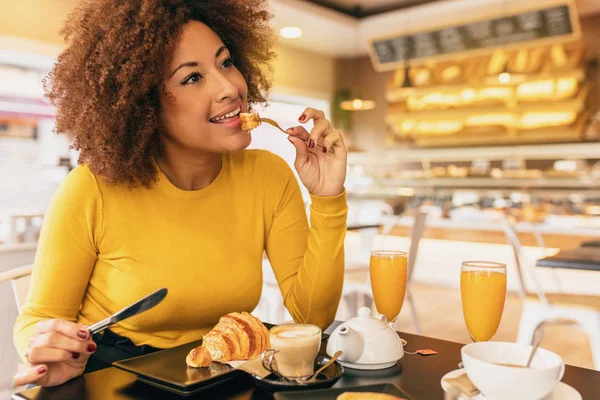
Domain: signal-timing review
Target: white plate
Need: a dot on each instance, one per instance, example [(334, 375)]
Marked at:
[(562, 391)]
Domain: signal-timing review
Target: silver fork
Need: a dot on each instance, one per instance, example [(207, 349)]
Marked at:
[(276, 125)]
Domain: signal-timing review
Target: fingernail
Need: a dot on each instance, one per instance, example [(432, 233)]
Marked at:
[(82, 334), (311, 143), (41, 370), (302, 117), (324, 149), (76, 355), (91, 348)]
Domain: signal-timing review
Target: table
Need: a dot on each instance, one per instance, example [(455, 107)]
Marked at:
[(591, 243), (359, 227), (418, 376), (584, 258)]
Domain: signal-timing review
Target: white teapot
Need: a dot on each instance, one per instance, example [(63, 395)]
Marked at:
[(366, 342)]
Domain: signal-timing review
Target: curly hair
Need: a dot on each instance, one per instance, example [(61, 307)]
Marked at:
[(105, 85)]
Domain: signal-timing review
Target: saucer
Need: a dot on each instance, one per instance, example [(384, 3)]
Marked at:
[(326, 379), (561, 391)]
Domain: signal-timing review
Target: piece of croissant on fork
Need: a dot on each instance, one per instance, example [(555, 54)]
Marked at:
[(237, 336)]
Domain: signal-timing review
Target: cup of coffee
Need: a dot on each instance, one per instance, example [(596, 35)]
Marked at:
[(294, 348)]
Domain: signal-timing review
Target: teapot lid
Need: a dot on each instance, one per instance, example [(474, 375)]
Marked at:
[(365, 322)]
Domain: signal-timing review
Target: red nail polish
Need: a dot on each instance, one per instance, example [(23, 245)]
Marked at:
[(91, 348), (76, 355), (41, 370), (311, 144), (302, 117), (82, 334), (324, 149)]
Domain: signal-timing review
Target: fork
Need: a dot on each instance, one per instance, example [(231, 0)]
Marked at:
[(276, 125)]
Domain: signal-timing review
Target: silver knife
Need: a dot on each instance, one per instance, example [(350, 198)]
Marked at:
[(134, 309)]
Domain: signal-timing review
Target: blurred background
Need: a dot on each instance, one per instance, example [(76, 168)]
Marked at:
[(474, 133)]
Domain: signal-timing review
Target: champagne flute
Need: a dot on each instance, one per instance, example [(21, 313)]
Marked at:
[(483, 292), (389, 273)]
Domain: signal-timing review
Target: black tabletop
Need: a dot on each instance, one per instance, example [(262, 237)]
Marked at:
[(591, 243), (418, 376), (359, 227), (585, 258)]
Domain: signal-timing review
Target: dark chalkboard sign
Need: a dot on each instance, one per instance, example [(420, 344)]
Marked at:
[(552, 24)]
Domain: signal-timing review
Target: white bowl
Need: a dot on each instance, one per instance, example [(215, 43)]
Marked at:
[(508, 383)]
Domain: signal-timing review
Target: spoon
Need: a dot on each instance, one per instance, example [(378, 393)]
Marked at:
[(538, 335), (317, 372)]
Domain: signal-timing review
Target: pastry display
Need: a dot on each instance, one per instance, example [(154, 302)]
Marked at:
[(237, 336), (249, 121), (533, 95)]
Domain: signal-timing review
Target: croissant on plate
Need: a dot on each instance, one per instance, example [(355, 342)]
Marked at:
[(237, 336)]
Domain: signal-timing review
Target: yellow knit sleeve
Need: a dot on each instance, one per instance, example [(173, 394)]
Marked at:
[(67, 251), (308, 263)]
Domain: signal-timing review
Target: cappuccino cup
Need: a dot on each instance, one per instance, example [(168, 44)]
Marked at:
[(294, 348)]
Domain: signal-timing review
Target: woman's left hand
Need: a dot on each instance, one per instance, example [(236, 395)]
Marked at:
[(321, 169)]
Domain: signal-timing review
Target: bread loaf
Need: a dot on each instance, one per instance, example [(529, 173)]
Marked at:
[(237, 336)]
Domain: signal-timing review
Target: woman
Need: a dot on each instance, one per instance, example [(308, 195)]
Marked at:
[(150, 91)]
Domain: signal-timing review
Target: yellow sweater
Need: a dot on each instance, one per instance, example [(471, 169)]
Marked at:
[(104, 246)]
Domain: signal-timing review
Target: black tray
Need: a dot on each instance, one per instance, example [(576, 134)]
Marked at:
[(167, 370), (332, 394)]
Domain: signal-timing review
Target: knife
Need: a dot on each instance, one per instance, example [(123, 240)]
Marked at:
[(134, 309)]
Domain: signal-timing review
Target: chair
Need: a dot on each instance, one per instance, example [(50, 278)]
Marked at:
[(357, 281), (416, 234), (541, 308), (270, 307), (19, 279)]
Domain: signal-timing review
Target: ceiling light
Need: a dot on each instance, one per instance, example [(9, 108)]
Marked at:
[(357, 104), (290, 32), (504, 78)]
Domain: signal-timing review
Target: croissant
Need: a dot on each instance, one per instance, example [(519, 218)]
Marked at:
[(249, 121), (198, 357), (237, 336)]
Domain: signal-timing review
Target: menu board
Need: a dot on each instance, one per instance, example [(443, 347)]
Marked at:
[(556, 23)]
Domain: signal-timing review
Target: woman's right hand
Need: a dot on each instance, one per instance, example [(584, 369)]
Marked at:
[(57, 352)]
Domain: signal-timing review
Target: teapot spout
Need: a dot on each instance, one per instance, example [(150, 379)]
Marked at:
[(351, 343)]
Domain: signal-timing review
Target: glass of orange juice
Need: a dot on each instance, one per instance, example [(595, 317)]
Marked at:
[(483, 291), (389, 272)]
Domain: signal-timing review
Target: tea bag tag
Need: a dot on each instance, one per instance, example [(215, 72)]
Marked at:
[(427, 352), (423, 352)]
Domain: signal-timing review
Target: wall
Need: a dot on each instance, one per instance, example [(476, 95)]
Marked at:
[(368, 127), (304, 73), (297, 72), (590, 30), (34, 19)]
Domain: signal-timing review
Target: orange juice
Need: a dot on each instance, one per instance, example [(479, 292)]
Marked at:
[(483, 294), (389, 272)]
